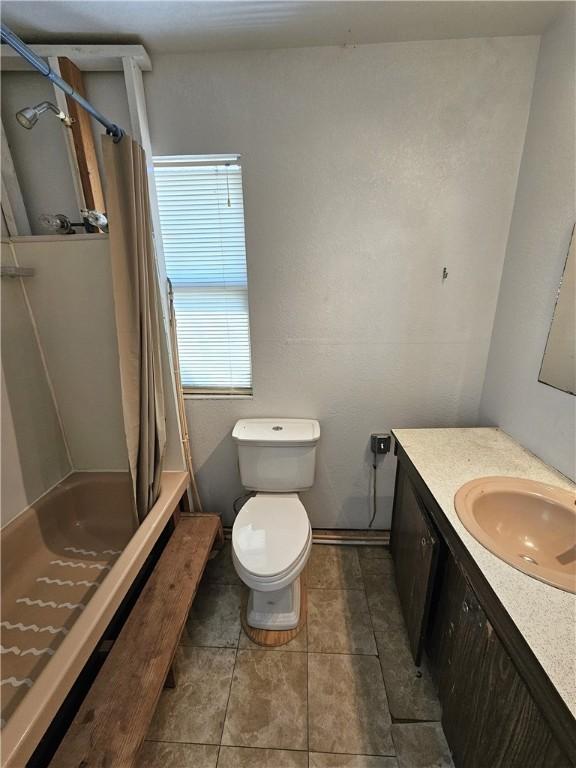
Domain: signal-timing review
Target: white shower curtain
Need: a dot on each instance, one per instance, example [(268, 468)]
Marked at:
[(138, 315)]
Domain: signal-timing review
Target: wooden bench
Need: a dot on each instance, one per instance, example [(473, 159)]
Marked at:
[(114, 718)]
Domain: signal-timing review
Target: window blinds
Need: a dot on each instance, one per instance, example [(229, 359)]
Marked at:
[(202, 220)]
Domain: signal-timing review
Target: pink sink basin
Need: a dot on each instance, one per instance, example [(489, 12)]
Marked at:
[(530, 525)]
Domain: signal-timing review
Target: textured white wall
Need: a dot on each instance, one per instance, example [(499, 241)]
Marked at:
[(540, 417), (366, 171)]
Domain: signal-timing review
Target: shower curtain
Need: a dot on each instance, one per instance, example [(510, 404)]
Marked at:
[(138, 316)]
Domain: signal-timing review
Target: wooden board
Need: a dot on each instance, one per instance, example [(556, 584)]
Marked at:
[(270, 638), (83, 139), (114, 718)]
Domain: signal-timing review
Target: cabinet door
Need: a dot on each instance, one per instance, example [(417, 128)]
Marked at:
[(415, 552), (451, 590), (488, 715), (523, 739), (461, 680)]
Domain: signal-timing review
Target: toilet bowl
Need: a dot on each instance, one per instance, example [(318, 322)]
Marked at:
[(272, 536), (271, 543)]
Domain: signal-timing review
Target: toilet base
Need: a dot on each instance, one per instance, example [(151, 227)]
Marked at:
[(270, 635), (275, 610)]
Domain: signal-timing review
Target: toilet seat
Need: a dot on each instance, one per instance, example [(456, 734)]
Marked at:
[(271, 540)]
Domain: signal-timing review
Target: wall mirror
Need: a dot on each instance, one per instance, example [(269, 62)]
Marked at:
[(559, 361)]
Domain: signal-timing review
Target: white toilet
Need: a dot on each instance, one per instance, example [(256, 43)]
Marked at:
[(272, 537)]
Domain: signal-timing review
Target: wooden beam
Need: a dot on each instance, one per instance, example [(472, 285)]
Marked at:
[(83, 138), (62, 103), (113, 720), (13, 207), (88, 58)]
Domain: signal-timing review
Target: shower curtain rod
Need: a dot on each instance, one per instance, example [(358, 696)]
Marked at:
[(44, 68)]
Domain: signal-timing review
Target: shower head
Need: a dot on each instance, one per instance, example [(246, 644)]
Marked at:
[(28, 117)]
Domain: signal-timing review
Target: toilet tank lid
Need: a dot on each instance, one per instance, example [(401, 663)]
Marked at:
[(276, 432)]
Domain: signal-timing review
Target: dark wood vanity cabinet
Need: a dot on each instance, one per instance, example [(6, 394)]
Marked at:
[(490, 718)]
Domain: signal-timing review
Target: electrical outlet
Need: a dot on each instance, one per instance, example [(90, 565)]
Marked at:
[(380, 443)]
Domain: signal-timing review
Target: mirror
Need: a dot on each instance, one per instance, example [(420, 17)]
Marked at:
[(559, 361)]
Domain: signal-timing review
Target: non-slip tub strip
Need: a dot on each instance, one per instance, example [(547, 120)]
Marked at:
[(11, 649)]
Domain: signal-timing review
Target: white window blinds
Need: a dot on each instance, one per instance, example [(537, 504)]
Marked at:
[(202, 219)]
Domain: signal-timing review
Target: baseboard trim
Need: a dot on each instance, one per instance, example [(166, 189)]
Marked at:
[(360, 538)]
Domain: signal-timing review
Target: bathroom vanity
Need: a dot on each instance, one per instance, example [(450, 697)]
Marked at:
[(500, 644)]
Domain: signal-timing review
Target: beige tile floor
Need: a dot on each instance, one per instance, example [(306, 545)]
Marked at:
[(343, 694)]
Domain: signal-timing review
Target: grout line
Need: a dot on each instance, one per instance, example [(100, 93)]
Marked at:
[(165, 740), (263, 749), (282, 749), (229, 694)]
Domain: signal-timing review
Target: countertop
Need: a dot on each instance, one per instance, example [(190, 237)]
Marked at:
[(544, 615)]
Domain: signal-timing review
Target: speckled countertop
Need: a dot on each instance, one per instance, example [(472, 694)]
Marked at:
[(546, 616)]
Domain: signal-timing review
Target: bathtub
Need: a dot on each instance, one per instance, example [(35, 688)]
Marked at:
[(67, 563)]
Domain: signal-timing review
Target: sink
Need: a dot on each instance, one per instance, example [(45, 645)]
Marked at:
[(529, 525)]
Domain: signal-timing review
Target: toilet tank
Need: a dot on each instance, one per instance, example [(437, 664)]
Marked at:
[(277, 455)]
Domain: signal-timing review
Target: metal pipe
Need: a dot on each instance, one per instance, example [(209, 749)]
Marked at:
[(44, 68)]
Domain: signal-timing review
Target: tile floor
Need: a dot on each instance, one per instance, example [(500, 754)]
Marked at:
[(343, 694)]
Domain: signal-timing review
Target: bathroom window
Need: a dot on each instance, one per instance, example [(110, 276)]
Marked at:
[(202, 220)]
